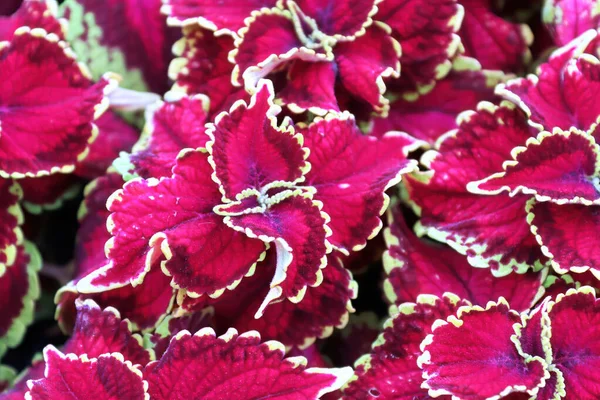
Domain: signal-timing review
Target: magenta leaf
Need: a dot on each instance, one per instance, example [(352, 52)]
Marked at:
[(563, 94), (204, 366), (322, 309), (417, 266), (298, 228), (364, 63), (19, 289), (173, 126), (72, 105), (426, 31), (390, 371), (565, 234), (107, 377), (572, 338), (202, 67), (351, 173), (34, 14), (248, 149), (472, 356), (491, 230), (173, 218), (568, 19), (339, 19), (496, 43), (433, 114), (561, 167), (226, 17)]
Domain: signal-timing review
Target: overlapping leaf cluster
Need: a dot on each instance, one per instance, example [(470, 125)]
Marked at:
[(238, 157)]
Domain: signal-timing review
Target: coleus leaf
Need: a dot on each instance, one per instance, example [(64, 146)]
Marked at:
[(102, 331), (472, 356), (561, 167), (390, 371), (431, 115), (50, 192), (249, 150), (20, 290), (144, 305), (566, 235), (19, 266), (107, 377), (300, 92), (268, 41), (568, 19), (472, 223), (416, 266), (322, 309), (12, 217), (92, 216), (202, 66), (205, 366), (341, 20), (496, 43), (351, 173), (271, 42), (34, 14), (298, 227), (562, 94), (173, 216), (98, 334), (359, 65), (171, 126), (125, 37), (532, 339), (220, 17), (173, 207), (72, 105), (176, 322), (364, 62), (255, 166), (426, 31), (570, 341)]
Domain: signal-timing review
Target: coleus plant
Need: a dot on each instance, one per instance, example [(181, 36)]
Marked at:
[(237, 159)]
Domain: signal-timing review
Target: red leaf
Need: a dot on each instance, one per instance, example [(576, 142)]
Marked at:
[(496, 43), (390, 371), (351, 173), (491, 230), (33, 62), (227, 16), (236, 366), (109, 377), (560, 167), (249, 150), (471, 356), (416, 266), (426, 31), (299, 230), (567, 235)]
